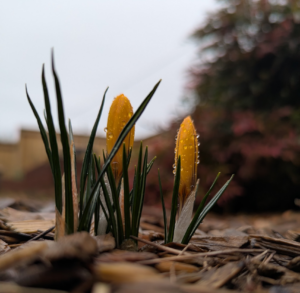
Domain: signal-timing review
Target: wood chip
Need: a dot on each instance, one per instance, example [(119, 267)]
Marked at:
[(197, 289), (6, 287), (101, 288), (284, 246), (123, 255), (294, 264), (202, 254), (149, 287), (3, 226), (178, 266), (105, 242), (220, 242), (123, 272), (157, 245), (22, 255), (10, 214), (31, 226), (222, 275), (3, 247), (6, 202), (277, 275), (81, 246)]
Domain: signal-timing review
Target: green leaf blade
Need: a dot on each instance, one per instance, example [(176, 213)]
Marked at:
[(126, 194), (66, 152), (136, 192), (88, 152), (142, 190), (174, 201), (163, 207), (54, 148), (115, 197), (199, 218)]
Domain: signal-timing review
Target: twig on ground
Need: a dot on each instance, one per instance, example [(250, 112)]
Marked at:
[(195, 255), (41, 234), (159, 246)]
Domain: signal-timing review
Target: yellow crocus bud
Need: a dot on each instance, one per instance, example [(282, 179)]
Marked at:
[(187, 148), (119, 114)]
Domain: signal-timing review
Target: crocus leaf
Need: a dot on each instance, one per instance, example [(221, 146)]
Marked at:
[(66, 152), (42, 130), (174, 201), (136, 192), (142, 189), (198, 218), (88, 152), (53, 143), (126, 194), (163, 207)]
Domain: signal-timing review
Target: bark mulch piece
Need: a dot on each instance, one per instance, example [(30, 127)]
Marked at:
[(229, 254)]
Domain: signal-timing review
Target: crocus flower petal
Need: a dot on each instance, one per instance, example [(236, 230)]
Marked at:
[(119, 114), (187, 148)]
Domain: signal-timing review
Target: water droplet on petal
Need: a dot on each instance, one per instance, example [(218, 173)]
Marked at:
[(185, 147), (197, 135), (129, 115), (105, 129), (198, 162)]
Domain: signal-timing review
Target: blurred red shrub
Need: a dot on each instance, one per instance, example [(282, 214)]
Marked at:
[(246, 86)]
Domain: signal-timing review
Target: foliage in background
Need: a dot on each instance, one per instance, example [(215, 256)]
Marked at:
[(246, 84)]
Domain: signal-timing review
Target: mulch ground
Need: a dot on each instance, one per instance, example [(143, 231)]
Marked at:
[(240, 253)]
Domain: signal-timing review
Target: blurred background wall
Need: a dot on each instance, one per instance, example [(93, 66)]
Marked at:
[(24, 166)]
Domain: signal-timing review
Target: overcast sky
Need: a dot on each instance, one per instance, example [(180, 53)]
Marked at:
[(124, 44)]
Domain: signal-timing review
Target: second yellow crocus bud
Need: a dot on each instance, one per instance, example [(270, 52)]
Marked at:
[(119, 114), (187, 148)]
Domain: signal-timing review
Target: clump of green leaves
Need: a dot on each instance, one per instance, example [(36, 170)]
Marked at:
[(94, 179), (200, 214), (186, 187), (104, 194)]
